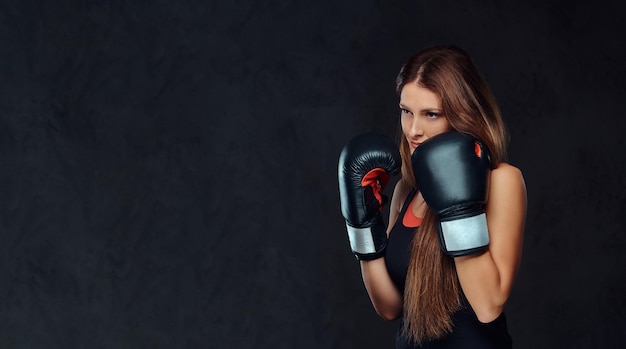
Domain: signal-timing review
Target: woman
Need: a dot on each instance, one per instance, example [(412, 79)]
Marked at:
[(445, 300)]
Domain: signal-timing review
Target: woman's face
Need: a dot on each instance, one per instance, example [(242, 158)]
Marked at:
[(421, 115)]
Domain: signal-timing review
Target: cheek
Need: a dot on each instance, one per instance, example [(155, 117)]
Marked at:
[(439, 128), (445, 126), (404, 124)]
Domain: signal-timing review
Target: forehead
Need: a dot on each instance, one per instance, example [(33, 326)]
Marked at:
[(414, 95)]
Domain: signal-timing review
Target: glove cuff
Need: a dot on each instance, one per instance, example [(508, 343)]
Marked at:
[(464, 236), (368, 243)]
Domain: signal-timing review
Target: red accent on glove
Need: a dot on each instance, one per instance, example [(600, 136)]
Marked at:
[(377, 179), (477, 149)]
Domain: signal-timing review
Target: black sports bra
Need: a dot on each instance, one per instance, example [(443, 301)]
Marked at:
[(468, 332)]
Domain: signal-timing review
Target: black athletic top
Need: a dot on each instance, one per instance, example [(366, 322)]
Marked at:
[(468, 331)]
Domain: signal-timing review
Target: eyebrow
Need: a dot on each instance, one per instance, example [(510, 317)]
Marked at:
[(435, 110)]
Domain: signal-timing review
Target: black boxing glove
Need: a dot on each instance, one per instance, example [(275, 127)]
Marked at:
[(365, 166), (452, 172)]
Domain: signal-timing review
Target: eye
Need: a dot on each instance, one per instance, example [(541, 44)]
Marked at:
[(404, 111), (432, 115)]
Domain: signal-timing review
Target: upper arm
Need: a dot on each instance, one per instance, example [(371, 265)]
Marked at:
[(506, 215)]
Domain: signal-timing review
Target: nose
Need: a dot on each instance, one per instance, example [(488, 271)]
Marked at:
[(416, 130)]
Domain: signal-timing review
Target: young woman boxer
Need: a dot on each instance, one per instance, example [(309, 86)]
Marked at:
[(447, 262)]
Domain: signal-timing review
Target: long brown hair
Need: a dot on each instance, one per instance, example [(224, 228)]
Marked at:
[(432, 293)]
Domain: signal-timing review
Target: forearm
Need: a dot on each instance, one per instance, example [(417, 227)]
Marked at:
[(385, 297), (482, 285), (487, 279)]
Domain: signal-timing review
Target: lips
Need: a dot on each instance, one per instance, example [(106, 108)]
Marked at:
[(415, 144)]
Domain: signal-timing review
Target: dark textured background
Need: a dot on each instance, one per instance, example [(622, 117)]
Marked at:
[(168, 168)]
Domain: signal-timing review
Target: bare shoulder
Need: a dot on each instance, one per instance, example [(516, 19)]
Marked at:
[(507, 179), (506, 202), (507, 173)]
